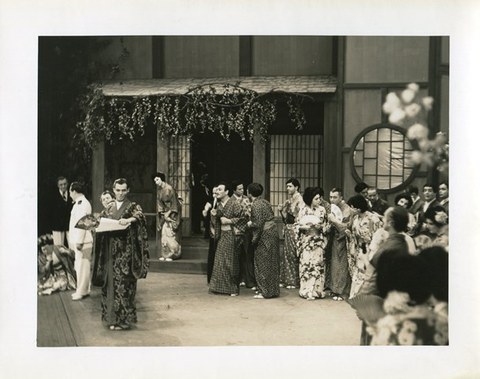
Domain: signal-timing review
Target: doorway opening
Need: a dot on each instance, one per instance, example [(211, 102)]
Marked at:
[(213, 160)]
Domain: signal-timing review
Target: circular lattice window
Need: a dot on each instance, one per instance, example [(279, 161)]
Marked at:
[(381, 157)]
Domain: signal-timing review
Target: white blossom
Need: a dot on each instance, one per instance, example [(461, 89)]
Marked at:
[(417, 131), (414, 87), (416, 157), (392, 102), (408, 95), (397, 116), (428, 103), (412, 110)]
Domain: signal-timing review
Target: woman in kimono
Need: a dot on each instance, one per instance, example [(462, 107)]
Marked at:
[(363, 224), (405, 200), (55, 267), (436, 223), (169, 216), (289, 276), (312, 226), (265, 241), (121, 258)]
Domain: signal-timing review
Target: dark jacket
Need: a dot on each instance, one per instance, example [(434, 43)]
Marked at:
[(60, 211)]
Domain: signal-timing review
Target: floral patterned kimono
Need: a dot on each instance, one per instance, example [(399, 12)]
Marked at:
[(311, 245), (121, 257), (361, 231), (289, 275), (169, 215), (55, 267)]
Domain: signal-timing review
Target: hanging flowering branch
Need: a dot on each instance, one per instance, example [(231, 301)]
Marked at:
[(222, 108), (410, 110)]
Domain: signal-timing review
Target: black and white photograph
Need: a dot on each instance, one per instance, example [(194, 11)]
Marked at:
[(229, 200)]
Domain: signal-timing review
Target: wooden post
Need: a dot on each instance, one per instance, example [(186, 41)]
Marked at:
[(162, 166), (98, 175), (259, 161), (332, 162)]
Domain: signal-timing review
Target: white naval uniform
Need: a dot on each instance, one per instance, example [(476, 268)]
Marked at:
[(83, 257)]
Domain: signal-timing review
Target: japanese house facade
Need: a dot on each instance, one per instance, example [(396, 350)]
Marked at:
[(346, 80)]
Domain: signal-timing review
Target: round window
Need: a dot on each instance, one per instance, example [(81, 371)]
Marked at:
[(381, 157)]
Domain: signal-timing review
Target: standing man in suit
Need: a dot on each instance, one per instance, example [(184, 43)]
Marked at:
[(443, 195), (81, 241), (61, 205), (430, 196), (417, 202)]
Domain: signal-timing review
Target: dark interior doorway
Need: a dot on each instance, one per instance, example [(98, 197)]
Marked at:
[(213, 160)]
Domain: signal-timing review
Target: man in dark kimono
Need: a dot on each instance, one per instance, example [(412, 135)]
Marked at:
[(247, 272), (121, 257), (226, 269)]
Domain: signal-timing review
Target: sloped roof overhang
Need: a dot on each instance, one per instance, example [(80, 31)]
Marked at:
[(324, 84)]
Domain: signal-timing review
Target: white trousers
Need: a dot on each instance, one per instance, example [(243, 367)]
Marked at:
[(82, 265), (59, 238)]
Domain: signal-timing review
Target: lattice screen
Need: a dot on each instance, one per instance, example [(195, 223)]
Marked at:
[(179, 170), (294, 156)]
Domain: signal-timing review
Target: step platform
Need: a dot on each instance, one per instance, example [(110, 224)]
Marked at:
[(193, 260)]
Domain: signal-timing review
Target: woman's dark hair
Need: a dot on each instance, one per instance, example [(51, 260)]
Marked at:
[(358, 201), (405, 196), (160, 175), (400, 271), (360, 187), (294, 181), (432, 212), (107, 192), (309, 194), (436, 259), (45, 239), (255, 189)]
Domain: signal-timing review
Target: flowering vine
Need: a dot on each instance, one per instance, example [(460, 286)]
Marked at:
[(223, 108), (410, 110)]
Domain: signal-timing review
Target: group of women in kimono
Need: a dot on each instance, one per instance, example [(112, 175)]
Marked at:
[(329, 245)]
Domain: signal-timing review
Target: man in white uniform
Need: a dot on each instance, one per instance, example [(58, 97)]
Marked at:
[(80, 241)]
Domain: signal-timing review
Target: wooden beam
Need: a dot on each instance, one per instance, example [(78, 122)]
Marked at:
[(98, 175), (158, 57), (245, 56)]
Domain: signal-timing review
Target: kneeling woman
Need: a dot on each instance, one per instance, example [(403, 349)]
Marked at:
[(266, 244), (312, 225)]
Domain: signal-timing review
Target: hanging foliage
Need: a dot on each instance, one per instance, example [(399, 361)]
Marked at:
[(221, 108)]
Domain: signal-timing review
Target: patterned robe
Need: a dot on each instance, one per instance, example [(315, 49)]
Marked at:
[(121, 257), (247, 274), (311, 249), (362, 228), (266, 243), (289, 259), (339, 279), (169, 208), (226, 268)]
